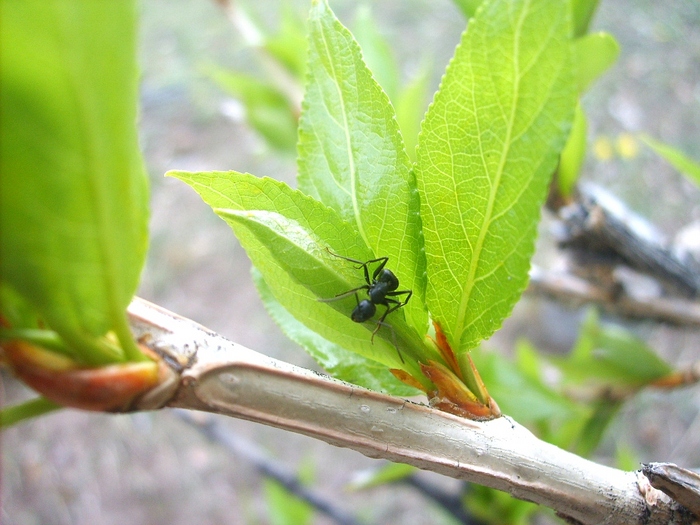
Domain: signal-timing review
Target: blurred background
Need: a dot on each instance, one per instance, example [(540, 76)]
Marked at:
[(151, 468)]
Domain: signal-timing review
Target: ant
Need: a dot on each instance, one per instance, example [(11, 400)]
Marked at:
[(381, 289)]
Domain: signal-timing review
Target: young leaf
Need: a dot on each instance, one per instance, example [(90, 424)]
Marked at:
[(338, 361), (284, 508), (288, 236), (582, 12), (352, 158), (376, 51), (73, 193), (488, 146), (268, 111), (411, 103), (687, 166), (594, 54), (573, 154)]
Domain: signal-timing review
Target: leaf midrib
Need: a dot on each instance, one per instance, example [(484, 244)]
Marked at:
[(478, 246), (348, 143)]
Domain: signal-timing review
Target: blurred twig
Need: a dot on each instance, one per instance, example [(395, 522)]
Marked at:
[(266, 466), (569, 288)]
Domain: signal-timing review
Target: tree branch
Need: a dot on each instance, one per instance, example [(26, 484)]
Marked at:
[(222, 377)]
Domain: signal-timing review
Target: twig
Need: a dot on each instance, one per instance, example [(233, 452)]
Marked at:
[(597, 223), (225, 378), (451, 503), (239, 446), (569, 288)]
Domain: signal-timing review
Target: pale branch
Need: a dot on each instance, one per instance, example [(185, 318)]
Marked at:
[(222, 377), (569, 288), (681, 484)]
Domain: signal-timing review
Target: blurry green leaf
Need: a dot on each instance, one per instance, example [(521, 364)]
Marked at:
[(487, 149), (288, 46), (573, 154), (338, 361), (468, 7), (352, 158), (268, 111), (594, 429), (493, 506), (626, 458), (287, 235), (73, 193), (517, 393), (29, 409), (610, 354), (687, 166), (594, 54), (376, 51), (583, 11), (388, 473), (411, 103), (283, 507)]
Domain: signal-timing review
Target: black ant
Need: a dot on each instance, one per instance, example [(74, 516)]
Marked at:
[(381, 289)]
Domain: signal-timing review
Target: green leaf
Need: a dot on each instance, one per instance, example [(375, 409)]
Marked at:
[(29, 409), (288, 46), (411, 103), (268, 111), (583, 11), (388, 473), (488, 146), (352, 158), (593, 431), (611, 355), (288, 236), (573, 154), (338, 361), (687, 166), (73, 192), (468, 7), (284, 508), (376, 51), (594, 54), (519, 394)]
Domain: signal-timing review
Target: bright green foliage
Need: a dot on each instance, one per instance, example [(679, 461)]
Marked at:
[(610, 354), (33, 408), (582, 12), (268, 110), (288, 46), (73, 194), (573, 154), (494, 506), (468, 7), (352, 158), (376, 52), (487, 149), (389, 473), (594, 54), (284, 508), (335, 359), (411, 104), (288, 236), (687, 166)]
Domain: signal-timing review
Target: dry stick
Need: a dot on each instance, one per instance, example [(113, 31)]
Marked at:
[(222, 377), (566, 287)]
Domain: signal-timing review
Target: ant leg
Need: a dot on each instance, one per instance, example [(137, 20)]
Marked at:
[(407, 293), (381, 323), (344, 294), (364, 265)]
